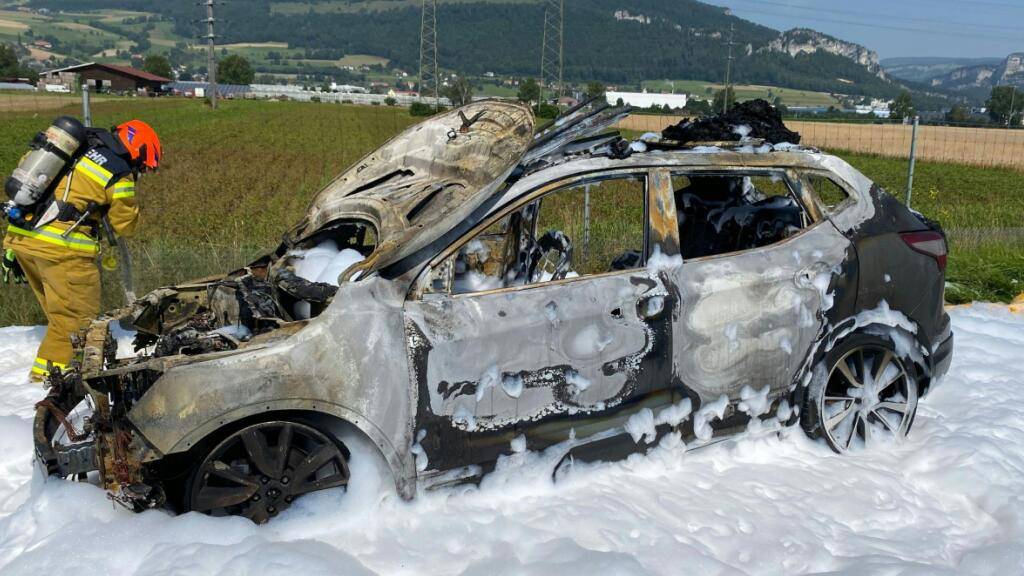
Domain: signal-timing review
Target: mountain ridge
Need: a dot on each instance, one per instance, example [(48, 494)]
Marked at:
[(613, 41)]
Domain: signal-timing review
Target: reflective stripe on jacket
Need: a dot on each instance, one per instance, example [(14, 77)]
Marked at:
[(99, 176)]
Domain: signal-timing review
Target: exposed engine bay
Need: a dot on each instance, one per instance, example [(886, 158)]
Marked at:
[(218, 314), (83, 420)]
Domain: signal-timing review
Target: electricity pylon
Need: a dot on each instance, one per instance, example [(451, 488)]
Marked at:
[(552, 49), (429, 78)]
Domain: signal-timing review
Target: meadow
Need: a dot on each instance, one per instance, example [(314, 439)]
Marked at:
[(236, 179)]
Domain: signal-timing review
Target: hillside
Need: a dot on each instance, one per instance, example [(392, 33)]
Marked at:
[(981, 78), (925, 69), (613, 41)]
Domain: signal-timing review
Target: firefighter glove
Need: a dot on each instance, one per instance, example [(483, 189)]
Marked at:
[(10, 270)]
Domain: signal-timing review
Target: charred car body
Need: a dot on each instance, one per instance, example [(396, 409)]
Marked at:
[(508, 290)]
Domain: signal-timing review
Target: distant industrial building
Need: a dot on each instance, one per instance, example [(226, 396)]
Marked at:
[(201, 89), (104, 78), (648, 99)]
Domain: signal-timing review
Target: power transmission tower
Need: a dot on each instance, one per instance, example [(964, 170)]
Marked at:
[(211, 55), (429, 77), (552, 48), (728, 70)]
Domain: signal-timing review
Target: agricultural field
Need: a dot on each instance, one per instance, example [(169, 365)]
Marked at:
[(706, 91), (235, 180)]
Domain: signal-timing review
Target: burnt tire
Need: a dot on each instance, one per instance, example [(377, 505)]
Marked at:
[(261, 469), (861, 391)]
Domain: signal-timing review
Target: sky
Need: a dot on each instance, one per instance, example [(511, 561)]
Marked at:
[(893, 28)]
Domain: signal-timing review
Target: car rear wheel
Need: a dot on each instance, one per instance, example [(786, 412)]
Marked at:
[(863, 393), (258, 471)]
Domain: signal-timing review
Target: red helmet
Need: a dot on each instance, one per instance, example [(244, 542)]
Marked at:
[(142, 143)]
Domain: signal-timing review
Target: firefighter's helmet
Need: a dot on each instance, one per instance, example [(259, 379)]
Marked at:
[(142, 143)]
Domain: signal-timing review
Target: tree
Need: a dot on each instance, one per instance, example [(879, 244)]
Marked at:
[(8, 60), (698, 107), (594, 90), (158, 64), (1000, 102), (903, 107), (717, 104), (421, 109), (459, 91), (529, 90), (958, 114), (235, 69)]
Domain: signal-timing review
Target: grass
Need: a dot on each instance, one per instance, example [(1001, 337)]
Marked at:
[(744, 92), (236, 179)]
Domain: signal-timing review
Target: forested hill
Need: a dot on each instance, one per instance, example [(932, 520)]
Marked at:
[(615, 41)]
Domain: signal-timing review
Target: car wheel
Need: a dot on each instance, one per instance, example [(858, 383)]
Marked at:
[(861, 393), (258, 471)]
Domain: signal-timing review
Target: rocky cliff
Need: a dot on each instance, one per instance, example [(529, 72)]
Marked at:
[(1009, 72), (805, 41)]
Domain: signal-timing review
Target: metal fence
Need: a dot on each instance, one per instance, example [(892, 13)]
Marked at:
[(957, 144)]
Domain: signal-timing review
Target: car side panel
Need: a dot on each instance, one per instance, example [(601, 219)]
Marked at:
[(753, 317), (531, 361)]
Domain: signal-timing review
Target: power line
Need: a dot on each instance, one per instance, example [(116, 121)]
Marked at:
[(931, 32), (889, 18)]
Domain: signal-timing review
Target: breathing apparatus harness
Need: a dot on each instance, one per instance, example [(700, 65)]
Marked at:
[(31, 188)]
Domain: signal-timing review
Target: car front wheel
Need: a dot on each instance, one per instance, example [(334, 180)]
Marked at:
[(258, 471), (862, 393)]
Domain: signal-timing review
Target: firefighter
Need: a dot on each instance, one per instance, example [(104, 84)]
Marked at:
[(55, 250)]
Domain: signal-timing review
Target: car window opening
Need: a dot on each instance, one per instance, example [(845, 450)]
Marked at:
[(586, 229), (724, 213)]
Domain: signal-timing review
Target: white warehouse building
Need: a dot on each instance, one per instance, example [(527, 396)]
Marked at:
[(647, 99)]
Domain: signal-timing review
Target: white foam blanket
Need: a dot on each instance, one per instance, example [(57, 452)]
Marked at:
[(947, 501)]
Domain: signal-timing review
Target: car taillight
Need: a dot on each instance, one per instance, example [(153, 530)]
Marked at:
[(928, 243)]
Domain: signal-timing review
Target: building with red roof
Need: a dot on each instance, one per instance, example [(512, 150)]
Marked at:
[(105, 78)]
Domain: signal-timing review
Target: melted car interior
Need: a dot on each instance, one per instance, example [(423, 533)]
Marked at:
[(586, 228), (721, 213)]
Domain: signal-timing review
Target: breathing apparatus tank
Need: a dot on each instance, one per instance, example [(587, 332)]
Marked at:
[(51, 153)]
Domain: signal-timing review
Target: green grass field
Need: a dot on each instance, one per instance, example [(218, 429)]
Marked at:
[(236, 179)]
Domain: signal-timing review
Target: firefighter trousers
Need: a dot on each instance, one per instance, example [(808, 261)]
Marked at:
[(68, 290)]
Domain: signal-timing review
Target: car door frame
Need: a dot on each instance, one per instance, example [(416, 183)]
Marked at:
[(732, 419), (449, 451)]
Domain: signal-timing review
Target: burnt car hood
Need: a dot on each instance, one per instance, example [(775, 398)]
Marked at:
[(425, 180)]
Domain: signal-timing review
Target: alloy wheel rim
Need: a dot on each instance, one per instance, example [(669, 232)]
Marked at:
[(869, 396), (259, 471)]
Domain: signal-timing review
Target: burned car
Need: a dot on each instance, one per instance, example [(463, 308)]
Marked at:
[(478, 287)]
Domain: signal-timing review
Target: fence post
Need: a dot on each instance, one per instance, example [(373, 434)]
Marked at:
[(86, 111), (913, 159), (586, 222)]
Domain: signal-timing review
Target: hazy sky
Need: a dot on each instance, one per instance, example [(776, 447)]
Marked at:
[(963, 28)]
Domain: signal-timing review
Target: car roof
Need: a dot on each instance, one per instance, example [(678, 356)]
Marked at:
[(739, 156)]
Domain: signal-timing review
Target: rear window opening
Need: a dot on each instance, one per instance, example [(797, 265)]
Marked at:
[(732, 212)]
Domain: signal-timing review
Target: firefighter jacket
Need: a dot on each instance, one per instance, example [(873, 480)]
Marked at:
[(101, 176)]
